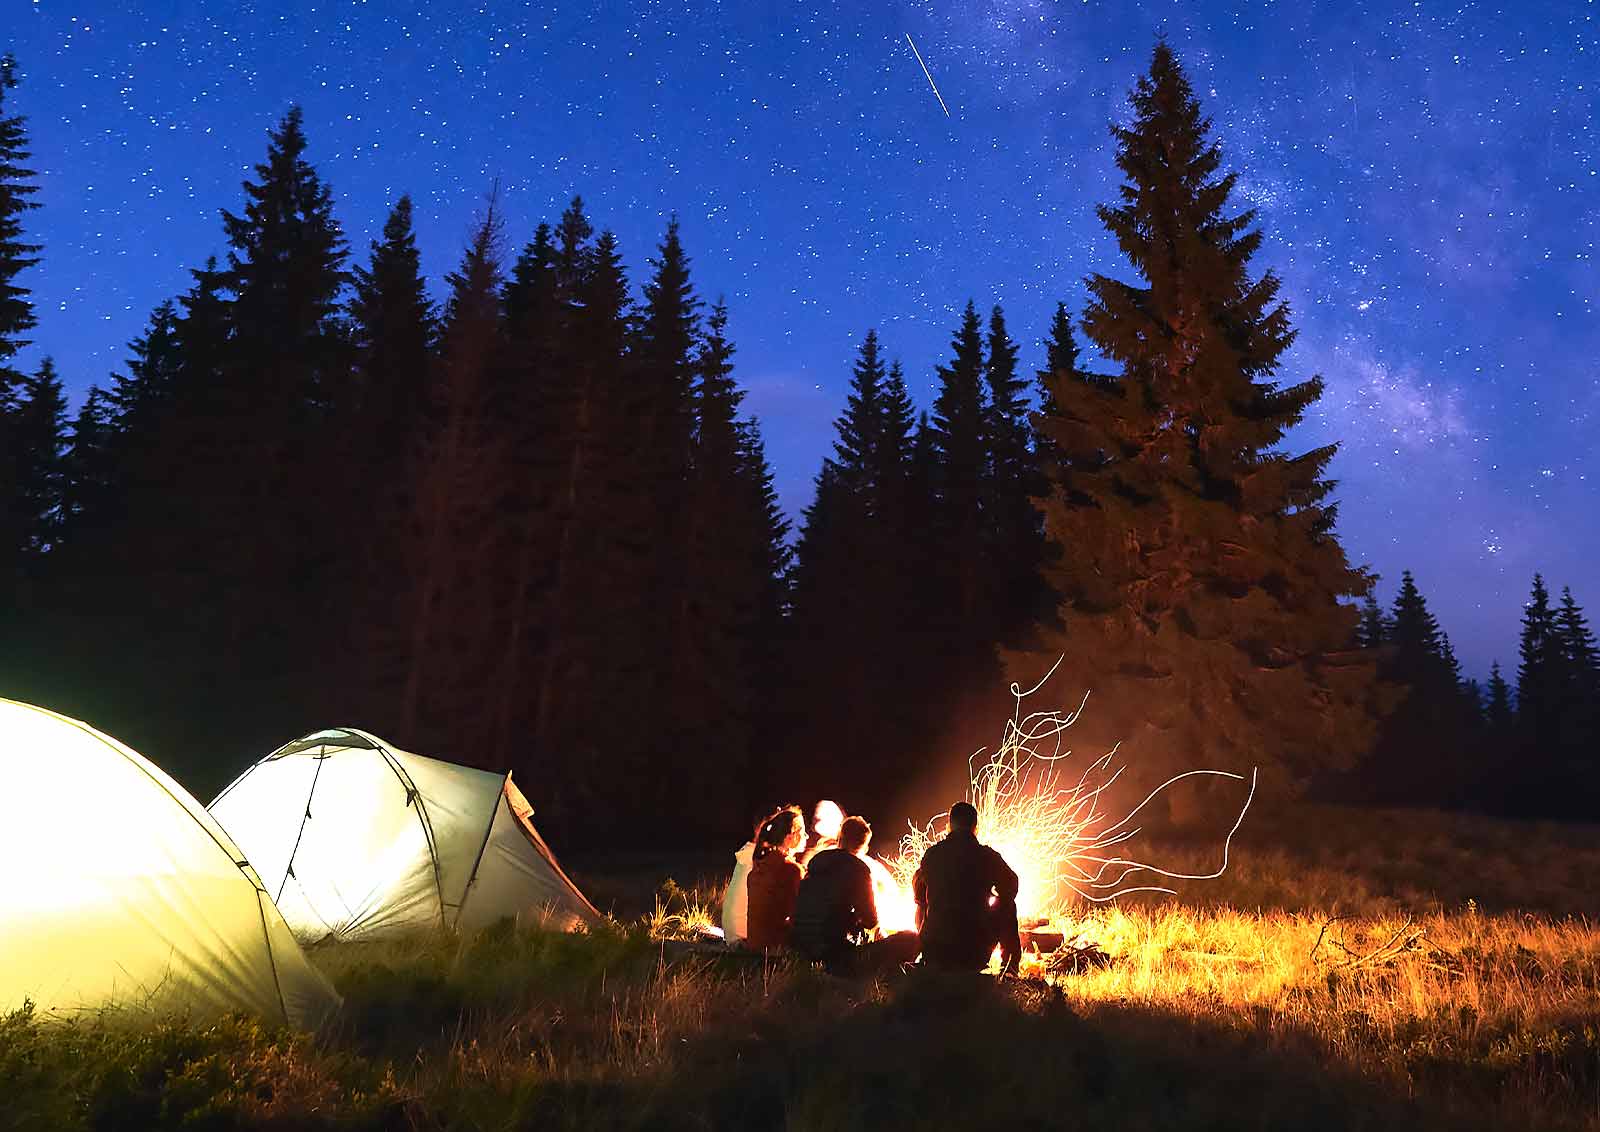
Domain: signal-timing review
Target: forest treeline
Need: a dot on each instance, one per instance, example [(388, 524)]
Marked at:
[(529, 526)]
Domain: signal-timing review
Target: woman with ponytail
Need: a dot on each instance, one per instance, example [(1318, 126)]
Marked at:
[(775, 878)]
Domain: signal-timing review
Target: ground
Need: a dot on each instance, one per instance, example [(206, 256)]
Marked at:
[(1352, 970)]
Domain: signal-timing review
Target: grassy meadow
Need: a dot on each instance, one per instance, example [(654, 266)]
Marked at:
[(1352, 970)]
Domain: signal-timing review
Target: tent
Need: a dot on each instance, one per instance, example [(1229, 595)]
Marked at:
[(120, 891), (357, 840)]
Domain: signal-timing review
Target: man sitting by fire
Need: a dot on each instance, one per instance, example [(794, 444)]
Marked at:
[(966, 898), (835, 913)]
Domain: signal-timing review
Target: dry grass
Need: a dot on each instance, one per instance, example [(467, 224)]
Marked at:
[(1336, 981)]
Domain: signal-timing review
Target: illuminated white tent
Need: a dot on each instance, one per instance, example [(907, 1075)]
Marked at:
[(358, 840), (120, 891)]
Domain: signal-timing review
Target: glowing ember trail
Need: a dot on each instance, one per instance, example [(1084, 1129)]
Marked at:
[(1050, 827)]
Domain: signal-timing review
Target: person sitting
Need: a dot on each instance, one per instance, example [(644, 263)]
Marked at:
[(826, 820), (836, 912), (735, 898), (774, 879), (966, 898)]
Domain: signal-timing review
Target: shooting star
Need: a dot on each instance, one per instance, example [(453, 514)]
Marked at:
[(931, 83)]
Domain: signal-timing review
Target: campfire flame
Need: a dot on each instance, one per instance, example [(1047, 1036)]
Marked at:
[(1052, 829)]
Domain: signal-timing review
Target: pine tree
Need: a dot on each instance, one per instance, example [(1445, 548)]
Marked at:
[(961, 441), (728, 580), (1201, 585), (858, 451), (1579, 719), (393, 331), (449, 605), (1060, 360), (1015, 537), (384, 416), (38, 436), (1499, 714), (593, 649), (16, 319), (662, 631), (90, 470), (1540, 671), (1374, 628), (16, 254)]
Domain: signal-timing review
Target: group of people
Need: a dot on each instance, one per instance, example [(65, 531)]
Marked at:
[(814, 893)]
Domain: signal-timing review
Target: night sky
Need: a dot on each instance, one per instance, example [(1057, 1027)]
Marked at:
[(1428, 178)]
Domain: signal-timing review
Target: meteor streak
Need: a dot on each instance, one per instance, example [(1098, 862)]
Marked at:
[(931, 83)]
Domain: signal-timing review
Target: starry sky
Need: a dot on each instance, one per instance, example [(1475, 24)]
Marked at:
[(1427, 176)]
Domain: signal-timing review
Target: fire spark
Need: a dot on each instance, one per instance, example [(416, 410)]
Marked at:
[(1053, 830)]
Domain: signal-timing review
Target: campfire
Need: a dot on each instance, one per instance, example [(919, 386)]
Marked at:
[(1047, 815)]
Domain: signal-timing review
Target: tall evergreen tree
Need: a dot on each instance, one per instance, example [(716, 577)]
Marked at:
[(1060, 359), (16, 254), (961, 440), (1015, 534), (1540, 672), (393, 330), (858, 450), (37, 458), (1499, 715), (1202, 587), (90, 468), (1579, 707), (16, 319), (449, 605), (1374, 628)]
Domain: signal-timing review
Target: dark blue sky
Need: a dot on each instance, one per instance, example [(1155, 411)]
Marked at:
[(1428, 178)]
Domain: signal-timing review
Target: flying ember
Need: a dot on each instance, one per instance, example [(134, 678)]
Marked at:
[(1050, 825)]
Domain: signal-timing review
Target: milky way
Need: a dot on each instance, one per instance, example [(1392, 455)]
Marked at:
[(1428, 179)]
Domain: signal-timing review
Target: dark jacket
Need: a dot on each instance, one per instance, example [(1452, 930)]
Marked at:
[(774, 882), (966, 895), (835, 905)]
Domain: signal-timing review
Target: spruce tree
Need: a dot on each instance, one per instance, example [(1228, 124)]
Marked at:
[(858, 451), (1373, 630), (393, 331), (1499, 715), (448, 606), (16, 319), (1202, 589), (16, 254), (1579, 720), (1060, 359), (90, 469), (961, 441), (1015, 542), (1541, 668), (37, 457)]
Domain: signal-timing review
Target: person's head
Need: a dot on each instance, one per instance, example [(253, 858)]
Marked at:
[(963, 818), (826, 819), (855, 835), (783, 832)]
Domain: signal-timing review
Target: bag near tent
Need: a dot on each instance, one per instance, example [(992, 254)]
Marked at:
[(120, 891), (358, 840)]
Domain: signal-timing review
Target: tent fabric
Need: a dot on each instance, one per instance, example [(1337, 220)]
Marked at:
[(120, 891), (358, 840)]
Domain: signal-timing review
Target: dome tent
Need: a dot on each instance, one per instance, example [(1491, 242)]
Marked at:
[(357, 840), (120, 891)]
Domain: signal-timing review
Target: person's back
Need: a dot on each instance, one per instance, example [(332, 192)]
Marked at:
[(735, 899), (834, 907), (966, 894), (770, 895)]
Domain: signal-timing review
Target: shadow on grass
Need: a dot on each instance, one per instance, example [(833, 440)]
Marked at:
[(975, 1054)]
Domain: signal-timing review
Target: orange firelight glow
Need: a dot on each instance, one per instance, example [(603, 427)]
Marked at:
[(1050, 827)]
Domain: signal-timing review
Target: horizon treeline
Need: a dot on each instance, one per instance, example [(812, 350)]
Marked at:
[(529, 527)]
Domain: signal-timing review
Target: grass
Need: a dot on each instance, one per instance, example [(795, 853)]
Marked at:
[(1398, 970)]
